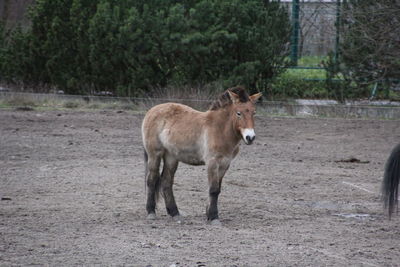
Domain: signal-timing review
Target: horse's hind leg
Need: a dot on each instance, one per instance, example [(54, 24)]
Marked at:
[(167, 181), (153, 183)]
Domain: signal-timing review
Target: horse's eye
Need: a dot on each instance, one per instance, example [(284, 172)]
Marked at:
[(239, 113)]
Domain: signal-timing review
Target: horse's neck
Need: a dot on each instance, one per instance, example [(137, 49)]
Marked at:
[(220, 121)]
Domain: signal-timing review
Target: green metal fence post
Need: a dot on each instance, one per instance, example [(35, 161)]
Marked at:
[(295, 32), (338, 9)]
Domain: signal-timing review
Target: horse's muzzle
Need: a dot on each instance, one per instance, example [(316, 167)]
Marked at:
[(248, 136)]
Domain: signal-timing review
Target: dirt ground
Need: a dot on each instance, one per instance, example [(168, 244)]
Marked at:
[(72, 193)]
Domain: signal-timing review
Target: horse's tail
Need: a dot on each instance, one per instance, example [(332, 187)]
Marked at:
[(391, 179)]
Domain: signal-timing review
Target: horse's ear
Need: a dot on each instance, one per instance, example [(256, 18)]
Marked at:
[(255, 97), (234, 97)]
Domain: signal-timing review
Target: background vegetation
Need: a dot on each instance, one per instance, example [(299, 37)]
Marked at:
[(370, 50), (367, 59), (136, 47), (129, 47)]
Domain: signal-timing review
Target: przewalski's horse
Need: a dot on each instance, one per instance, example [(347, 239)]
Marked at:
[(391, 179), (177, 133)]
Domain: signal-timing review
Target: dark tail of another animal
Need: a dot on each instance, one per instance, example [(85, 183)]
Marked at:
[(391, 179)]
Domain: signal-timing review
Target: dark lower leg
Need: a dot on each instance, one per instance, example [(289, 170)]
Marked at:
[(216, 171), (170, 203), (212, 211), (152, 181), (167, 182), (151, 202), (169, 198)]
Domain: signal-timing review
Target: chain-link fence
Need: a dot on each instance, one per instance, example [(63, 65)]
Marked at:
[(314, 30)]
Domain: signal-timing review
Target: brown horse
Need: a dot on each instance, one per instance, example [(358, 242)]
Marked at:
[(177, 133)]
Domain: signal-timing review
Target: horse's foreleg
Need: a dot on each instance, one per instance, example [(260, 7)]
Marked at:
[(216, 171), (212, 209), (167, 182), (153, 184)]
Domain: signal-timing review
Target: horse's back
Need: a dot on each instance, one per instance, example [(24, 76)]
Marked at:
[(176, 128), (168, 114)]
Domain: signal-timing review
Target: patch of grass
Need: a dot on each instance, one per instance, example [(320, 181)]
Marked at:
[(94, 106), (72, 104), (305, 74), (186, 93), (127, 106), (2, 105), (198, 97), (19, 101), (311, 61)]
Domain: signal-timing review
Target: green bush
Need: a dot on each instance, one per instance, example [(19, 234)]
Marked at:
[(299, 83), (129, 47)]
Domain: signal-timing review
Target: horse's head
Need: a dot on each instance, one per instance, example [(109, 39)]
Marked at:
[(242, 113)]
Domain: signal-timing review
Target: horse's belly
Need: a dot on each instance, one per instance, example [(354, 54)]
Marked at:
[(191, 160), (189, 150), (188, 156)]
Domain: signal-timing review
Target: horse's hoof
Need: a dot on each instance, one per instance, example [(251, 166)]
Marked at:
[(215, 222), (178, 219), (151, 216)]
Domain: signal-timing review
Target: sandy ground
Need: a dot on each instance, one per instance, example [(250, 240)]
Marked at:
[(72, 193)]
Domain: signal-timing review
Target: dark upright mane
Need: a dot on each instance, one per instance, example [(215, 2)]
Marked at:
[(225, 100)]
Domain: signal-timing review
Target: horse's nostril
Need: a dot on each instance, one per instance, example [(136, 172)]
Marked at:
[(250, 138)]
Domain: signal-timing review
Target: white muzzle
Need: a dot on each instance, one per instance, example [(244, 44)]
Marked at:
[(248, 136)]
